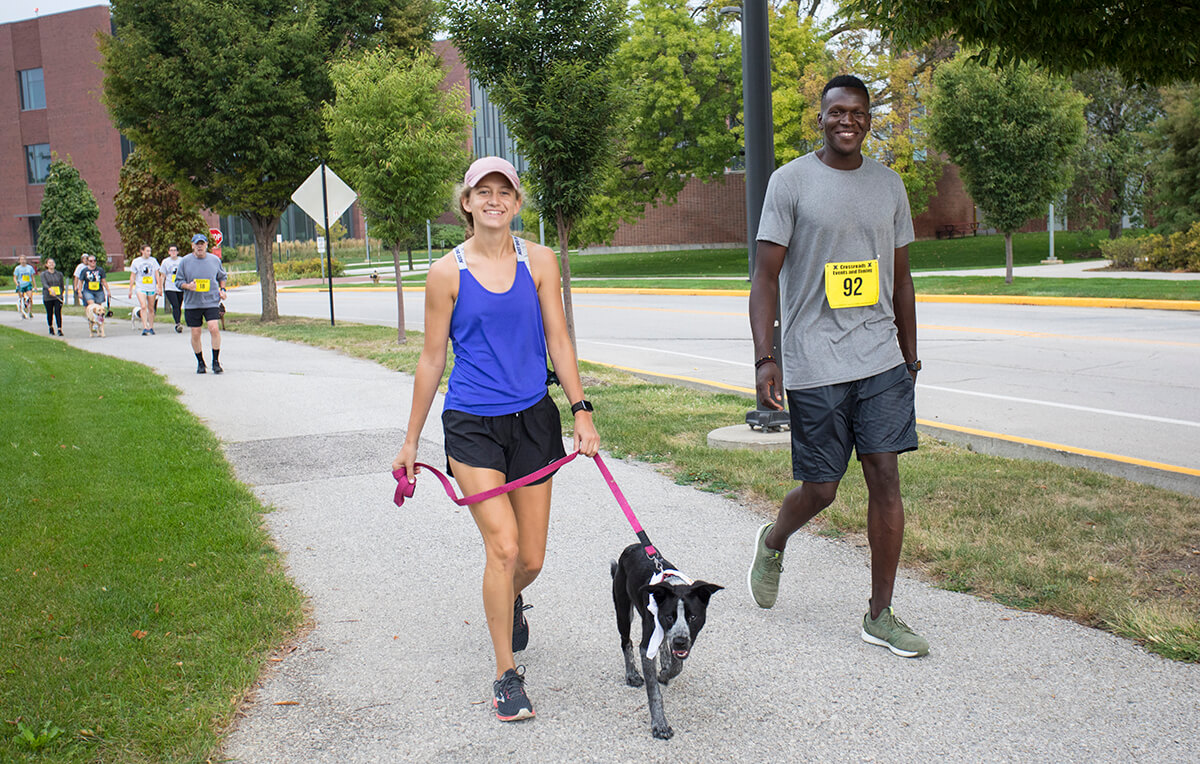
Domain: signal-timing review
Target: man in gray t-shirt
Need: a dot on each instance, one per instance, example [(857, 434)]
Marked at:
[(833, 252), (202, 280)]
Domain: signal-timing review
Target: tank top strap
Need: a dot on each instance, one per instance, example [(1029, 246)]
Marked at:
[(460, 258), (522, 254)]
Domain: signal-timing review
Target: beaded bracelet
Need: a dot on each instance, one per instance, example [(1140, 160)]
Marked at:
[(764, 359)]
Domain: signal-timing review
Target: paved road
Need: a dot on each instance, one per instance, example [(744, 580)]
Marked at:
[(1109, 381), (397, 665)]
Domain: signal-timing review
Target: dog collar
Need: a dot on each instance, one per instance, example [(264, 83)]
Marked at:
[(657, 637)]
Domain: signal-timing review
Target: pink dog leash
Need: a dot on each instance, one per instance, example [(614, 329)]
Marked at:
[(405, 488)]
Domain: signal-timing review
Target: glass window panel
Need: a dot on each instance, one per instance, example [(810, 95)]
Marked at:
[(33, 89), (37, 161)]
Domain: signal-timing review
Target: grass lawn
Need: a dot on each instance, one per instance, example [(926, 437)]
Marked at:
[(1100, 550), (140, 592)]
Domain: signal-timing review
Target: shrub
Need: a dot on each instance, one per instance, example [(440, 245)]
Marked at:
[(305, 269), (1124, 252), (1178, 252)]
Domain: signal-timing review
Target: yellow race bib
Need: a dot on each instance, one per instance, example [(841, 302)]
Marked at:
[(24, 278), (202, 285), (147, 280), (55, 291), (852, 285), (93, 286), (171, 279)]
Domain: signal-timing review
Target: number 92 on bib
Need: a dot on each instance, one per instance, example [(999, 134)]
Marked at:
[(852, 285)]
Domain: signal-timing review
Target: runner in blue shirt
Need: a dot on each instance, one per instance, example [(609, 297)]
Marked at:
[(92, 282), (23, 276)]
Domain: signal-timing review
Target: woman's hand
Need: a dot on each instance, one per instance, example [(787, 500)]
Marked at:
[(407, 459), (587, 440)]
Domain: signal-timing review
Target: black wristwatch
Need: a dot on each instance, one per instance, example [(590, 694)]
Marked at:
[(584, 405), (914, 366)]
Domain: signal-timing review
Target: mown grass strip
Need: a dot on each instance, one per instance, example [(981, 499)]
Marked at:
[(141, 593), (1102, 288), (1101, 550)]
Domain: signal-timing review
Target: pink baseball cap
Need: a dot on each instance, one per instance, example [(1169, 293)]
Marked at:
[(488, 165)]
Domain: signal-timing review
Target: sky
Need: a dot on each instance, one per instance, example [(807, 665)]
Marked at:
[(19, 10)]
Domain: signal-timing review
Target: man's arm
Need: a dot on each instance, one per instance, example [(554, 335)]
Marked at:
[(764, 297), (904, 305)]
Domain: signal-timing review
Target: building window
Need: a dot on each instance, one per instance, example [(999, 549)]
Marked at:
[(33, 89), (35, 223), (37, 162)]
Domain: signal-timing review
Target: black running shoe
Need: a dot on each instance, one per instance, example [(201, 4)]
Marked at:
[(520, 639), (508, 696), (217, 367), (201, 368)]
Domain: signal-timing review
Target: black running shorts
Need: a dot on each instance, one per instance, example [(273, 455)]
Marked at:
[(512, 444), (198, 316), (874, 415)]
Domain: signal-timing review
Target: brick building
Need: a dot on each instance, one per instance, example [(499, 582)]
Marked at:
[(50, 83)]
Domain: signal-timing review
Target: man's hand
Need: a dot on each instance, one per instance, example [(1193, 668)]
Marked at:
[(769, 386)]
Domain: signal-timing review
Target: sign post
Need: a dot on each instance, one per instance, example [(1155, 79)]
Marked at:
[(323, 195)]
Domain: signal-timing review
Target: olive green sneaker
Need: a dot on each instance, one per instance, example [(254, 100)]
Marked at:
[(889, 631), (763, 577)]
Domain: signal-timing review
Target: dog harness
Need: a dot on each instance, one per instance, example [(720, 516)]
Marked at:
[(656, 638)]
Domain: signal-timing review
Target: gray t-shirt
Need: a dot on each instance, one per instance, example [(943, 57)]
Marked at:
[(207, 269), (823, 215)]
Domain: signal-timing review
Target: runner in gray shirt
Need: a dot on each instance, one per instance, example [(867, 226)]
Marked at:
[(202, 280), (833, 243)]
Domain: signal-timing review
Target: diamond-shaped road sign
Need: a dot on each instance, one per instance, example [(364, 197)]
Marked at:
[(339, 195)]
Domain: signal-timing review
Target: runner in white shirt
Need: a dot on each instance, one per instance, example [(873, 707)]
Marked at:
[(143, 278), (167, 286)]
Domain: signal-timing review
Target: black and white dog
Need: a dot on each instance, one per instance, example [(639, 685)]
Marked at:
[(673, 610)]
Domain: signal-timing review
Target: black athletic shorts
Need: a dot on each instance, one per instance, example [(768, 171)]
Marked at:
[(512, 444), (197, 316), (875, 415)]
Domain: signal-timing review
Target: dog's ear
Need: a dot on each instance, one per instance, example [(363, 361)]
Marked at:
[(705, 590), (660, 592)]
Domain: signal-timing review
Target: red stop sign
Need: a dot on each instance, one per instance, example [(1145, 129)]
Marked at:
[(214, 234)]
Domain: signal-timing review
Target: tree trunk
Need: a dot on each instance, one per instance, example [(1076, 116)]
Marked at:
[(410, 265), (1008, 257), (564, 236), (264, 238), (401, 338)]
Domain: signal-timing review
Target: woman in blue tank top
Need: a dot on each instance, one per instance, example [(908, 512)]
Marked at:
[(498, 299)]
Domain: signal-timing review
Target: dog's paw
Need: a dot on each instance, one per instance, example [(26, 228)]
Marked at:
[(662, 731), (664, 678), (634, 680)]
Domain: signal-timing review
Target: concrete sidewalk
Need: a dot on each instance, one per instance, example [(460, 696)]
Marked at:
[(397, 666)]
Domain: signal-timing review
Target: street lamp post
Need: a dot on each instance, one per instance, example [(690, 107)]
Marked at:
[(760, 160)]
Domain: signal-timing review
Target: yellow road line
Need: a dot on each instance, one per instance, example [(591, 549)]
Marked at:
[(1073, 302), (1061, 447)]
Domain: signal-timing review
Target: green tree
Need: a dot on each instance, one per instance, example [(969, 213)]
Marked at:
[(225, 97), (400, 141), (548, 65), (1176, 171), (1111, 171), (1013, 134), (69, 214), (1155, 42), (150, 210)]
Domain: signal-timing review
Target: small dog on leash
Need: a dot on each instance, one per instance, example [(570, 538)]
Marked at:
[(673, 610), (95, 319), (135, 318)]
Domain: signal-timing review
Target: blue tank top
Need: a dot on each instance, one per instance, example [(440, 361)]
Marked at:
[(499, 343)]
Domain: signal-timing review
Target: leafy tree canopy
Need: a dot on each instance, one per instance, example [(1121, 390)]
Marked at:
[(548, 65), (150, 211), (69, 214), (399, 140), (1111, 171), (1176, 172), (1146, 40), (1013, 133)]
